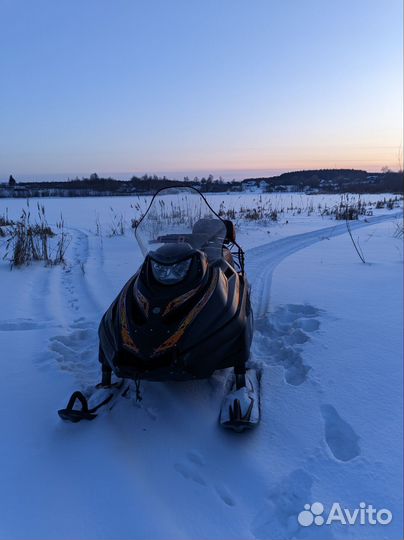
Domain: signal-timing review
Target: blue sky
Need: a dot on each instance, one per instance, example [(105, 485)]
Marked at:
[(185, 87)]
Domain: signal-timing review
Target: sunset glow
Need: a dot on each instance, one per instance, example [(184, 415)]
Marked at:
[(180, 87)]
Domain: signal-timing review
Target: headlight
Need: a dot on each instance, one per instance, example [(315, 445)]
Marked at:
[(168, 274)]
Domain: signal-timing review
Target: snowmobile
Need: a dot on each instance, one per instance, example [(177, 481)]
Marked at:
[(183, 315)]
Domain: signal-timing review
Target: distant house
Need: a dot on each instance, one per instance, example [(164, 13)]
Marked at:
[(21, 191), (263, 185), (250, 186)]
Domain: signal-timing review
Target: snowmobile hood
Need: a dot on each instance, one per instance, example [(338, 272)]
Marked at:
[(186, 311)]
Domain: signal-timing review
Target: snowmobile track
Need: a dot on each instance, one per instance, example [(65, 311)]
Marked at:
[(261, 261)]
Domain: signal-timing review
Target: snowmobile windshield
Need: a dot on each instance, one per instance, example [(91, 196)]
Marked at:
[(181, 215)]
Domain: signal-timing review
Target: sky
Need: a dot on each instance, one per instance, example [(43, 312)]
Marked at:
[(182, 87)]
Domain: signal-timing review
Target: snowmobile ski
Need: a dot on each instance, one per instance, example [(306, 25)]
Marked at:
[(241, 408), (90, 406)]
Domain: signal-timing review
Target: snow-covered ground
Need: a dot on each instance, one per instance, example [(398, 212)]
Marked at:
[(328, 337)]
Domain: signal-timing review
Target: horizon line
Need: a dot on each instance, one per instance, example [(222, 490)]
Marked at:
[(179, 175)]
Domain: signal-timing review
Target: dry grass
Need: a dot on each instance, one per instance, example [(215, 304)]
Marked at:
[(29, 241)]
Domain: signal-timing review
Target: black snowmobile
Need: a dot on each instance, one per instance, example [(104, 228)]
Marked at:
[(184, 314)]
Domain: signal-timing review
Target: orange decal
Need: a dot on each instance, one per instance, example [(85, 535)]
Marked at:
[(180, 300), (173, 340), (224, 281), (126, 337), (141, 300)]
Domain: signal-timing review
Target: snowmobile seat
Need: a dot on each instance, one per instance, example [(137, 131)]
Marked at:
[(214, 229), (230, 232)]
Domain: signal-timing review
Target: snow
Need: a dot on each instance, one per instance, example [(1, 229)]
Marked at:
[(350, 405), (328, 338)]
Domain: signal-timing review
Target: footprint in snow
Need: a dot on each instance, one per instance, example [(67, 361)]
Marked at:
[(77, 351), (189, 473), (278, 339), (308, 325), (303, 310), (224, 495), (340, 437), (282, 506), (196, 458), (190, 469)]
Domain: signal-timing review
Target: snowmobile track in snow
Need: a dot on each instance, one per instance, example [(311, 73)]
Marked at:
[(76, 349), (261, 261), (279, 336)]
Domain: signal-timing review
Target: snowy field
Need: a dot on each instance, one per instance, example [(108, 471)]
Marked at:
[(328, 338)]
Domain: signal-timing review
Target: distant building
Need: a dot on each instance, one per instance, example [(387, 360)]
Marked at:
[(250, 186), (263, 185)]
